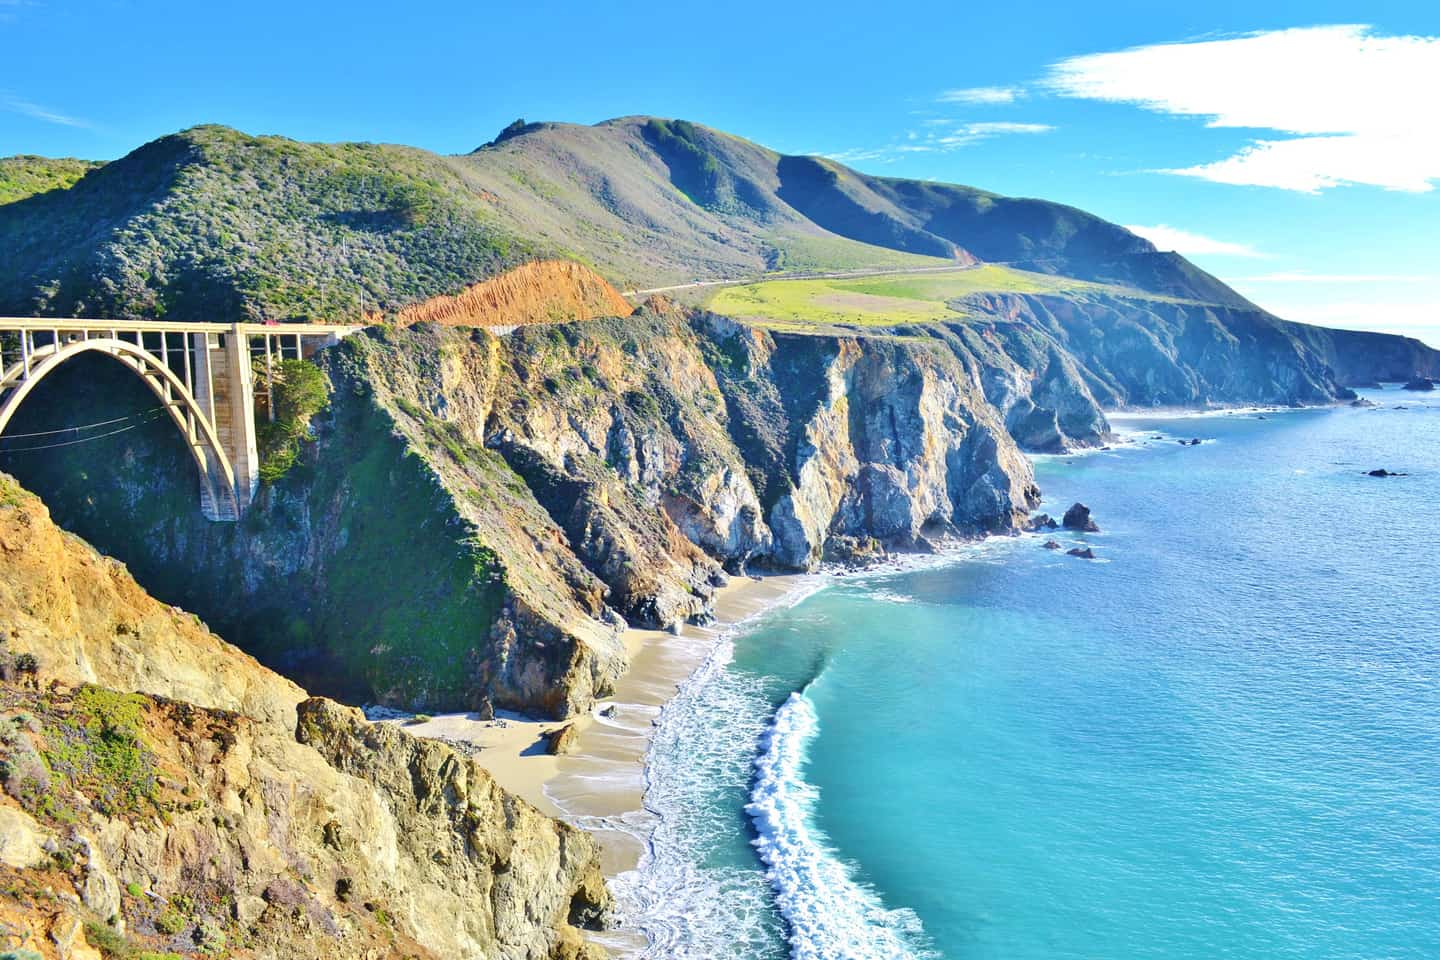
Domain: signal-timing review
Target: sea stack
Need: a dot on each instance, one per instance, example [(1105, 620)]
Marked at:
[(1078, 518)]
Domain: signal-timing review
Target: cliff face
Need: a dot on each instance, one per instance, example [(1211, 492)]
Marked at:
[(245, 818), (1161, 353), (478, 516)]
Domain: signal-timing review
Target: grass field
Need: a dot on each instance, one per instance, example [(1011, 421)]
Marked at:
[(879, 301)]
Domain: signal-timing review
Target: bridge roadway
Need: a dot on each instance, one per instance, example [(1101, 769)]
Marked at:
[(202, 373)]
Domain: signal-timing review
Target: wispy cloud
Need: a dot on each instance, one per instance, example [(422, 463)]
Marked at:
[(14, 104), (1348, 103), (1183, 241), (967, 133), (981, 95), (1416, 318), (940, 137)]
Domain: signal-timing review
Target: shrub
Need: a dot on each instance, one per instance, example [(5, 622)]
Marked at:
[(170, 921), (107, 940)]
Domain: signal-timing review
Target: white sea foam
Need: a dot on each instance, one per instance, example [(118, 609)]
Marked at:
[(704, 740), (827, 912)]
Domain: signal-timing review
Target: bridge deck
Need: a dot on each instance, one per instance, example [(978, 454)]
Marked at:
[(72, 324)]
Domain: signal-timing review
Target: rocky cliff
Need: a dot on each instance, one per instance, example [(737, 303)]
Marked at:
[(244, 819), (478, 516)]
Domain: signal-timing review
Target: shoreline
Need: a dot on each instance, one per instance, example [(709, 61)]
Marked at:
[(600, 784)]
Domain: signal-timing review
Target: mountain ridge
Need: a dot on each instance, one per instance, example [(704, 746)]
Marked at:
[(549, 188)]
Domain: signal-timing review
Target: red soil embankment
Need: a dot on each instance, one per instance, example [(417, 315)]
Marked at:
[(545, 291)]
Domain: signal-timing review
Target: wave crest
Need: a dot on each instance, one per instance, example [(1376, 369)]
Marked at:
[(829, 914)]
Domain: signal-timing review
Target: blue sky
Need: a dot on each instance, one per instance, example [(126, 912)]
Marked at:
[(1291, 148)]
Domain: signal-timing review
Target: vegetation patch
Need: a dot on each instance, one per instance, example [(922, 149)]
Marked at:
[(25, 175), (802, 253), (299, 391), (98, 749)]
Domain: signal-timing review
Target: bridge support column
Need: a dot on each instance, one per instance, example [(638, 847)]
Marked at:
[(243, 452)]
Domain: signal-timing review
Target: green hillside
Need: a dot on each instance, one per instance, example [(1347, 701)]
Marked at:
[(26, 175), (214, 224)]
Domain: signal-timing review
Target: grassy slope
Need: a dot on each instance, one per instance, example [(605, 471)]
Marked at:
[(889, 300), (214, 224), (25, 175)]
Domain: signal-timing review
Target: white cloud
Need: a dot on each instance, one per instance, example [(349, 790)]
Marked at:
[(982, 95), (26, 108), (1354, 104), (1183, 241)]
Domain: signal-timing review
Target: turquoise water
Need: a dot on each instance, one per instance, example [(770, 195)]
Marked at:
[(1220, 741)]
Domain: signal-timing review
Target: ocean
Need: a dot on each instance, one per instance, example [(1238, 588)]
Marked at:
[(1220, 739)]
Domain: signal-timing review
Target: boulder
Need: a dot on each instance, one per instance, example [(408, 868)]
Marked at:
[(1362, 402), (1041, 521), (1420, 383), (561, 740), (1084, 553), (1051, 545), (1382, 472), (1078, 518)]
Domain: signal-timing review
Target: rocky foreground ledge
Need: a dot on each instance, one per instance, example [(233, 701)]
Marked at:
[(245, 819)]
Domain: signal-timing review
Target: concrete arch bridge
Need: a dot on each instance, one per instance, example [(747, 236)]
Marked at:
[(202, 374)]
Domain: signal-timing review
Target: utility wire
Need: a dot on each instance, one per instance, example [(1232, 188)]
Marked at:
[(71, 443), (83, 426)]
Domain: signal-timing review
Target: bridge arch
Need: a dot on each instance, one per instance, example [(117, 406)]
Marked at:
[(219, 498)]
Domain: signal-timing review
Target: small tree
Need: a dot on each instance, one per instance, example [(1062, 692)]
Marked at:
[(299, 391)]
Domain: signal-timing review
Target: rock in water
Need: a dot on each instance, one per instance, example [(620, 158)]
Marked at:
[(1084, 553), (1051, 545), (1078, 518), (1362, 402), (1041, 521), (1382, 472), (1420, 383)]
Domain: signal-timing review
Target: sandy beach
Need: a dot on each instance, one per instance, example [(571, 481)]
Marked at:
[(600, 785)]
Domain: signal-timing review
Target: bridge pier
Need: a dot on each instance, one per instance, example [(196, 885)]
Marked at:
[(207, 385)]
